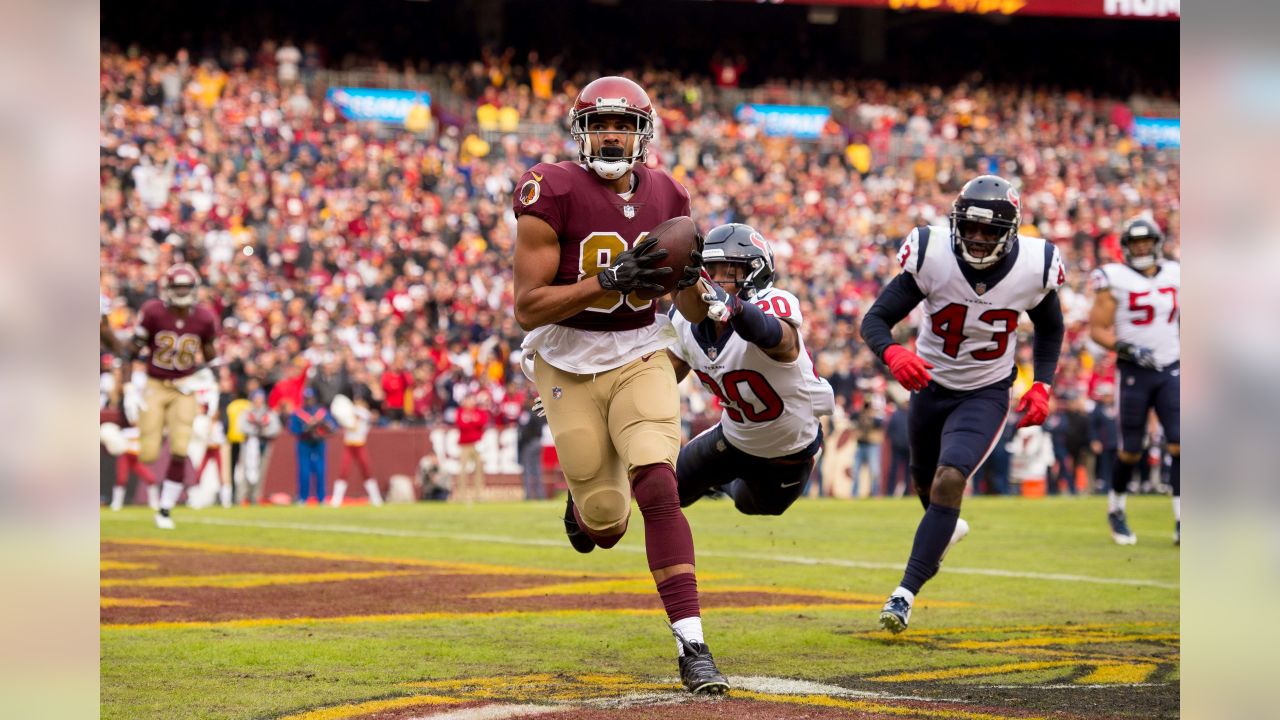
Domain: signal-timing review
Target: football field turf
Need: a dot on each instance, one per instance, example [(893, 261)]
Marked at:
[(484, 611)]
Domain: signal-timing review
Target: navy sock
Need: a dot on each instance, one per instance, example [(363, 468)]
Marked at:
[(932, 537), (1175, 474), (1121, 474)]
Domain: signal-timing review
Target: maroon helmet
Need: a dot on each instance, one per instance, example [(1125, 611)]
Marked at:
[(178, 287), (612, 95)]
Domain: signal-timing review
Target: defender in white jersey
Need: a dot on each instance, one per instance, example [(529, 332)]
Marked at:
[(1135, 313), (745, 347), (976, 278)]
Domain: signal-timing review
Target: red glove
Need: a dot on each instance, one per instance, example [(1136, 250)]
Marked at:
[(1035, 402), (908, 368)]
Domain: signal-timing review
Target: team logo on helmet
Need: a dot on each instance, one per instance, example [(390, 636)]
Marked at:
[(530, 192)]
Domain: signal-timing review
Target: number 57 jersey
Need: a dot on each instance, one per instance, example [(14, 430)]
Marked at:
[(1146, 307), (770, 408)]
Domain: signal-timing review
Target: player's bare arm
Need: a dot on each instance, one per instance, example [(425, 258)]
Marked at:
[(680, 366), (789, 348), (1102, 320), (689, 302), (538, 302)]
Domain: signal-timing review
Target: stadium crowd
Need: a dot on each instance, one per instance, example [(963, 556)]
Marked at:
[(375, 261)]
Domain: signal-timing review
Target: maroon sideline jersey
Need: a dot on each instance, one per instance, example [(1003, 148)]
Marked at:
[(176, 343), (595, 225)]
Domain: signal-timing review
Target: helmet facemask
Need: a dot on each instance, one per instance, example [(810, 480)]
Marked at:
[(1138, 232), (979, 237), (611, 161)]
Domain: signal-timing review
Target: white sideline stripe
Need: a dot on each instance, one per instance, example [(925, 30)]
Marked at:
[(793, 559), (491, 712), (788, 686)]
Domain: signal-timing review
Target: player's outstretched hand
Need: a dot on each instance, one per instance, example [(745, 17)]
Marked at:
[(538, 408), (908, 368), (1035, 403), (721, 306)]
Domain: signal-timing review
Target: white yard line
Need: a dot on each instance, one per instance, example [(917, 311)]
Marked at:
[(530, 542)]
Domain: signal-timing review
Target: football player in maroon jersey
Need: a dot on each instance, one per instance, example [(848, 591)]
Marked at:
[(178, 336), (595, 348)]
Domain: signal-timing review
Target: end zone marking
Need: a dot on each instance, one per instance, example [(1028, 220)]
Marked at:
[(791, 559), (107, 565), (250, 580)]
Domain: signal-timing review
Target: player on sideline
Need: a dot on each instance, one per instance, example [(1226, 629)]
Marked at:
[(597, 349), (179, 336), (975, 277), (745, 347), (1135, 313)]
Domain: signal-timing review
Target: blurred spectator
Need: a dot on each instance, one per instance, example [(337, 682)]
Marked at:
[(311, 423), (471, 422), (867, 452), (261, 426), (529, 443), (899, 479), (1103, 435)]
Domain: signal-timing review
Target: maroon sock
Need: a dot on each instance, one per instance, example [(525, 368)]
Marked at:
[(679, 595), (667, 538), (177, 469), (604, 541)]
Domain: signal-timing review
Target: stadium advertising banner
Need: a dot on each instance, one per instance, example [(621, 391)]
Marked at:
[(802, 121), (1130, 9), (1157, 132), (388, 106)]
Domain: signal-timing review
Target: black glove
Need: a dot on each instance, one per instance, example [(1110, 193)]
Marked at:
[(1138, 355), (693, 271), (631, 270)]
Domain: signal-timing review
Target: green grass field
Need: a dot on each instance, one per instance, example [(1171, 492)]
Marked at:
[(1035, 614)]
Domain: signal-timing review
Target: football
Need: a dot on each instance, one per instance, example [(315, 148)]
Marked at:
[(679, 237)]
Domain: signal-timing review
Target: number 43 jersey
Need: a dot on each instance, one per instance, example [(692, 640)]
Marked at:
[(968, 331), (770, 408), (1146, 307)]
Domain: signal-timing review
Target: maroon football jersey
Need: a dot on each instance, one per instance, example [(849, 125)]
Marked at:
[(595, 225), (176, 343)]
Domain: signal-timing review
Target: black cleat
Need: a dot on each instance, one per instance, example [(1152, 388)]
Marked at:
[(698, 669), (1120, 531), (895, 614), (578, 537)]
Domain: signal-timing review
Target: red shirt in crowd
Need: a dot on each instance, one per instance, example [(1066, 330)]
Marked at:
[(471, 423), (394, 383)]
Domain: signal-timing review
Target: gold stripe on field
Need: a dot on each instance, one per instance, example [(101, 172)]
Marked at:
[(106, 565), (429, 616), (107, 602), (249, 580), (456, 568), (342, 712)]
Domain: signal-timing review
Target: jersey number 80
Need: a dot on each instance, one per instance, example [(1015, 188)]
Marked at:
[(595, 254)]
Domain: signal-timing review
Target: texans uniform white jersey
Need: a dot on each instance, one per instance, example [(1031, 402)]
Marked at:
[(771, 408), (968, 333), (1146, 307)]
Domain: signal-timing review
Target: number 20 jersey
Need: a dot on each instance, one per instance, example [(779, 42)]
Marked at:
[(1146, 307), (969, 337), (772, 407)]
